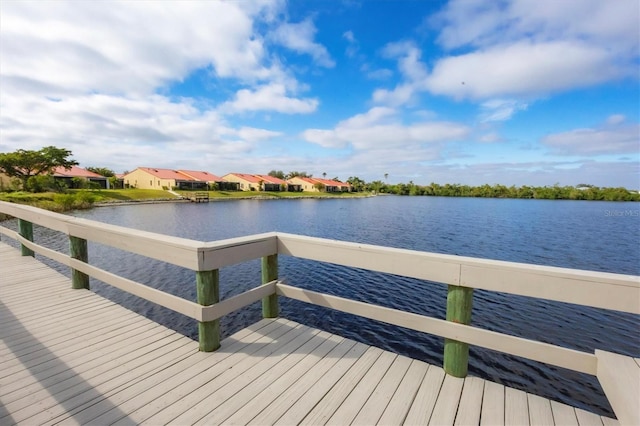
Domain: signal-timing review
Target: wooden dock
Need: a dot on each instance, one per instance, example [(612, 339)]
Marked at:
[(72, 357), (198, 197)]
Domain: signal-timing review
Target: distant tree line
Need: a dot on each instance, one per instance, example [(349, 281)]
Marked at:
[(555, 192)]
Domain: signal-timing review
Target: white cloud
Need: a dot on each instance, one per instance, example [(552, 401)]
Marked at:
[(533, 48), (522, 69), (500, 109), (413, 72), (299, 38), (378, 74), (380, 130), (271, 97), (352, 47), (122, 132), (615, 119), (541, 173), (481, 24), (613, 138), (129, 47)]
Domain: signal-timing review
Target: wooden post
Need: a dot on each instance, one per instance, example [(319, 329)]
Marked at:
[(456, 354), (208, 293), (270, 273), (78, 250), (26, 230)]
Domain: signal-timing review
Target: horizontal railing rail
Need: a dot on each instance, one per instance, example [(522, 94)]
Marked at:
[(461, 275)]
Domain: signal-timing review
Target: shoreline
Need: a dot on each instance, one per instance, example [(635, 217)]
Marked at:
[(219, 199)]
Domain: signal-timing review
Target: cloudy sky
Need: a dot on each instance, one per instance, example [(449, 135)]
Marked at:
[(511, 91)]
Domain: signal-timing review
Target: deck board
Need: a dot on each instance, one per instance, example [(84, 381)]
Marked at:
[(121, 368)]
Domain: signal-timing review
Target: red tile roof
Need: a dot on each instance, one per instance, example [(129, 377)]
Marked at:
[(166, 173), (75, 171), (202, 176), (271, 179), (325, 182), (329, 182), (248, 178)]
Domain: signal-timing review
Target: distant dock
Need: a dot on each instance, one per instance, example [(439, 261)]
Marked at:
[(199, 197)]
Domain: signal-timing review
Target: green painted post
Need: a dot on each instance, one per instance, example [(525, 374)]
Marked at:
[(78, 250), (208, 292), (270, 273), (26, 230), (456, 354)]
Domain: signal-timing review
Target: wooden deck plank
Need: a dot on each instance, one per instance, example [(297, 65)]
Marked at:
[(258, 377), (425, 400), (295, 412), (492, 404), (563, 414), (619, 376), (470, 402), (586, 418), (444, 412), (377, 403), (178, 386), (249, 408), (38, 358), (328, 405), (275, 380), (63, 375), (29, 348), (402, 399), (50, 365), (539, 410), (125, 369), (363, 390), (59, 401), (516, 407), (192, 405)]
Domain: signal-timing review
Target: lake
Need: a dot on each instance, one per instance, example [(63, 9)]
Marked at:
[(599, 236)]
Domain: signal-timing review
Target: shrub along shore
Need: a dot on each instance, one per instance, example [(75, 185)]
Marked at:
[(87, 198)]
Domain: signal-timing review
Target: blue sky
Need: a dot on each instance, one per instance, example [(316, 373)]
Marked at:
[(471, 92)]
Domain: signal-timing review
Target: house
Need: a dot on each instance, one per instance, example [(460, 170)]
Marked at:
[(69, 176), (153, 178), (272, 183), (310, 184), (246, 182), (212, 180)]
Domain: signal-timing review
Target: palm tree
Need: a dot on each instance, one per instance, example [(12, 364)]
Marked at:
[(386, 175), (324, 175)]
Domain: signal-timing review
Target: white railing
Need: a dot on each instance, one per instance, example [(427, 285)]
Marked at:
[(588, 288)]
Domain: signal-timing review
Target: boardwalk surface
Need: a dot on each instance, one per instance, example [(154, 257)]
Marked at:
[(72, 357)]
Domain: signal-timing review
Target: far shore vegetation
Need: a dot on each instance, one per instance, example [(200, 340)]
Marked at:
[(31, 182)]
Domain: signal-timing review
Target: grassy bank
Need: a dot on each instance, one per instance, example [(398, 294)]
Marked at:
[(84, 198)]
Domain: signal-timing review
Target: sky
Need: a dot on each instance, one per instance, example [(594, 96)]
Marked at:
[(513, 92)]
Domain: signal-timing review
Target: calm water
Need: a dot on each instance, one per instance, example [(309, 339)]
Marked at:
[(596, 236)]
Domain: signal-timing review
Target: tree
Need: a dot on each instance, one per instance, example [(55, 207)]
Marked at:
[(277, 173), (319, 186), (102, 171), (386, 175), (297, 174), (23, 164), (324, 175), (356, 183)]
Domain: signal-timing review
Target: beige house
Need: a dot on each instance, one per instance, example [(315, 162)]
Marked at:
[(212, 180), (246, 182), (153, 178), (272, 183), (67, 175), (312, 184)]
